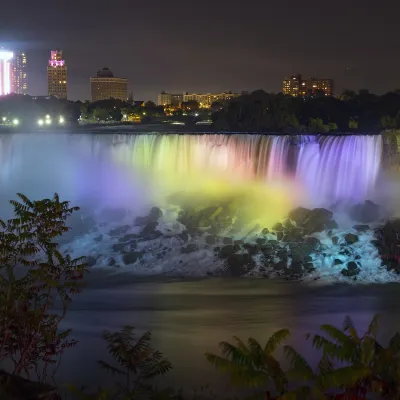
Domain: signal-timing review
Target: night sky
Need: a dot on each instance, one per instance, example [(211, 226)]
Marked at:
[(208, 46)]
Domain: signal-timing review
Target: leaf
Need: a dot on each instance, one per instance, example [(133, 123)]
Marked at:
[(276, 340)]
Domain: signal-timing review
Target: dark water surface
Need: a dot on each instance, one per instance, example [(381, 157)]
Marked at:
[(189, 318)]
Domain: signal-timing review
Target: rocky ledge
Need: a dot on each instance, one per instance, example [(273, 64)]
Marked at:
[(189, 238)]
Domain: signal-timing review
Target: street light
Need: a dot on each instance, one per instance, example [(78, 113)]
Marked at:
[(40, 122), (15, 121)]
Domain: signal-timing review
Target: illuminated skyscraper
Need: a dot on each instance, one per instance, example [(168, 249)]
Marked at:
[(57, 75), (20, 74), (5, 72)]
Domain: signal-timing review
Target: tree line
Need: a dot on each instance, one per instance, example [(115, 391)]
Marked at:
[(350, 112)]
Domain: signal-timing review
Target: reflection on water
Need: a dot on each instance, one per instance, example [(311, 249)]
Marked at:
[(190, 318)]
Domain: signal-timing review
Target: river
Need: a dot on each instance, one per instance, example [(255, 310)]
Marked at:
[(188, 318)]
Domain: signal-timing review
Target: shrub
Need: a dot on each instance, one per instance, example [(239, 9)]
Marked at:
[(33, 276)]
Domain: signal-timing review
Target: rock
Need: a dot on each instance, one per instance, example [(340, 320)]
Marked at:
[(253, 249), (317, 220), (98, 239), (278, 227), (123, 247), (120, 230), (365, 212), (309, 267), (273, 243), (351, 270), (226, 251), (227, 240), (127, 238), (90, 261), (190, 248), (337, 262), (299, 215), (351, 238), (184, 236), (111, 262), (211, 239), (237, 263), (335, 240), (154, 215), (313, 242), (267, 250), (331, 224), (300, 252), (279, 235), (114, 214), (239, 242), (293, 235), (265, 231), (361, 228), (132, 257), (261, 241), (149, 229)]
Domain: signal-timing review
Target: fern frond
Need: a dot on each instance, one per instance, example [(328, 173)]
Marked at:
[(276, 340), (110, 368), (373, 326)]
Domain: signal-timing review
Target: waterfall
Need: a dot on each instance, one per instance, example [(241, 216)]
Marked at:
[(327, 168)]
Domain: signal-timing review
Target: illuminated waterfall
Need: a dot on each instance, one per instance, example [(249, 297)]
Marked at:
[(326, 168)]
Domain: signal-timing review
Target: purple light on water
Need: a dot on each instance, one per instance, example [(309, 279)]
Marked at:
[(339, 168)]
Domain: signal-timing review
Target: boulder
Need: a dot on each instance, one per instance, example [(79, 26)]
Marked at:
[(278, 227), (351, 270), (184, 236), (265, 231), (335, 240), (211, 239), (238, 263), (122, 230), (365, 212), (300, 252), (261, 241), (226, 251), (190, 248), (350, 238), (128, 238), (111, 262), (299, 215), (317, 220), (154, 215), (361, 228), (227, 240), (314, 243), (132, 257), (149, 229), (337, 261)]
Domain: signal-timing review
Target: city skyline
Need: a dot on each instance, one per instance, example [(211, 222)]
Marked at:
[(346, 41)]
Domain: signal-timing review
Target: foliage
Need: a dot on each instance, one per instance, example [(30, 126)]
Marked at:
[(252, 365), (269, 112), (365, 366), (137, 362), (33, 276)]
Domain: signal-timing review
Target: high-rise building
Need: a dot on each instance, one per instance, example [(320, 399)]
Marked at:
[(164, 99), (57, 75), (106, 86), (6, 58), (296, 86), (20, 74)]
